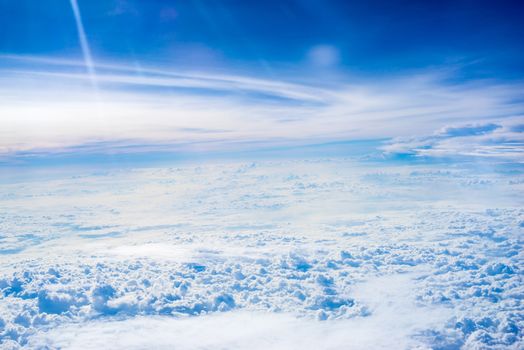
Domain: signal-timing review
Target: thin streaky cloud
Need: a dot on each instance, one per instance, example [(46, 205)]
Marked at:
[(50, 106), (227, 81)]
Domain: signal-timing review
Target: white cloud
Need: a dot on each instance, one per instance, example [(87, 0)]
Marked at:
[(500, 139), (386, 256), (49, 105)]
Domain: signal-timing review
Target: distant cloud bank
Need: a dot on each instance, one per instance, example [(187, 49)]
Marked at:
[(49, 105)]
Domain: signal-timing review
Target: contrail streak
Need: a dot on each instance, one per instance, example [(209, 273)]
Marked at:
[(86, 51)]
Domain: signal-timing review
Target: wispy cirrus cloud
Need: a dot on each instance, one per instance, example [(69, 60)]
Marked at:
[(49, 106)]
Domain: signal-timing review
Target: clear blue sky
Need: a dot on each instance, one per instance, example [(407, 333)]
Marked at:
[(372, 36)]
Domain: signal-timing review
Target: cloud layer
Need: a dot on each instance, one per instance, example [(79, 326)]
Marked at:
[(51, 106)]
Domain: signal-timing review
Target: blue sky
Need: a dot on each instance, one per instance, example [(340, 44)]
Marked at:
[(371, 36), (187, 76)]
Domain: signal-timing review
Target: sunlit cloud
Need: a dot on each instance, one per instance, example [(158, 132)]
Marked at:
[(48, 106)]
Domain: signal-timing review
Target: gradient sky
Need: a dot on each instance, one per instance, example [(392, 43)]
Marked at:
[(185, 76)]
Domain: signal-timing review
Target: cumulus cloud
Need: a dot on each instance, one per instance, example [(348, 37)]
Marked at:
[(371, 255)]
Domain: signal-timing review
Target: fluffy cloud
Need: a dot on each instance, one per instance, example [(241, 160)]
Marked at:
[(376, 256)]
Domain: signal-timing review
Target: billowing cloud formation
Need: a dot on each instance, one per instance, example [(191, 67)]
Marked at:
[(50, 106)]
